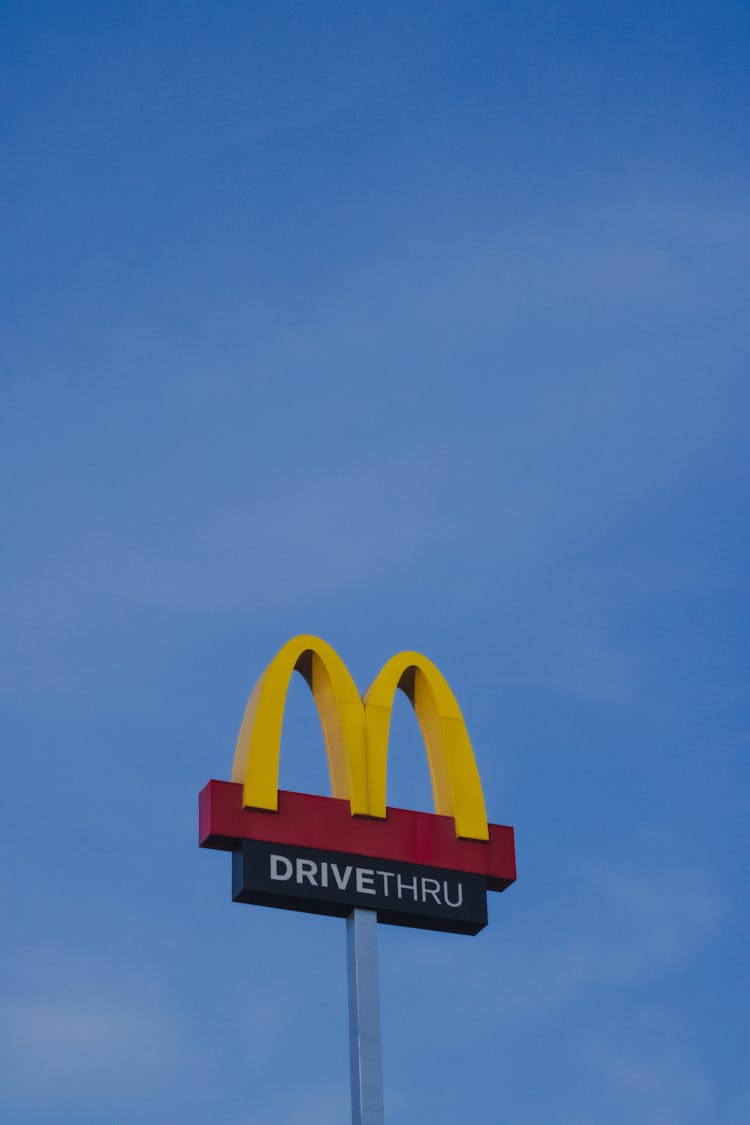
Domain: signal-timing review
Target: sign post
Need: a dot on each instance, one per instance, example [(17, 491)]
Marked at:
[(364, 1017), (350, 855)]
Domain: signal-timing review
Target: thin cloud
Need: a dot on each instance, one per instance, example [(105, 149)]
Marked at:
[(644, 1072), (627, 929), (81, 1039)]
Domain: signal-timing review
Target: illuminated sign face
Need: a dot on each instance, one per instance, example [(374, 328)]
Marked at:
[(328, 855)]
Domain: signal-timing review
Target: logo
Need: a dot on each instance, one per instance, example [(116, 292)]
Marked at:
[(331, 854)]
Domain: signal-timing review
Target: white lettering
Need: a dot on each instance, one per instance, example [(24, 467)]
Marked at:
[(306, 869), (341, 880), (362, 874), (386, 876), (324, 874), (404, 885), (275, 861), (460, 895), (426, 890)]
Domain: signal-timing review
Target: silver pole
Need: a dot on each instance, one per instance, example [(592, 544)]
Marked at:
[(364, 1018)]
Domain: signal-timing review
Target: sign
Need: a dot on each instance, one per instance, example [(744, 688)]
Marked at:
[(405, 894), (331, 855)]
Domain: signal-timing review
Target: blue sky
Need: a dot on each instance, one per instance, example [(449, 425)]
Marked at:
[(413, 326)]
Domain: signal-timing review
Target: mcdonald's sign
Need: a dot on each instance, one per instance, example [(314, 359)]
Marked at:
[(329, 855)]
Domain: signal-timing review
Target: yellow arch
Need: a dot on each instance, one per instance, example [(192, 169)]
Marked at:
[(256, 758), (456, 786), (356, 733)]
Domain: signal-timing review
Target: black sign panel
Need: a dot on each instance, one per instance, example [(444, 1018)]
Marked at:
[(321, 882)]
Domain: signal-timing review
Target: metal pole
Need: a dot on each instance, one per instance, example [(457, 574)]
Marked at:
[(364, 1018)]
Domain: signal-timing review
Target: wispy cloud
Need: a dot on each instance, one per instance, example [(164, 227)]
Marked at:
[(626, 928), (644, 1072), (79, 1038)]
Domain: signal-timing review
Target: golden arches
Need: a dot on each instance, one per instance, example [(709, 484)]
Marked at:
[(356, 733), (456, 787), (256, 758)]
